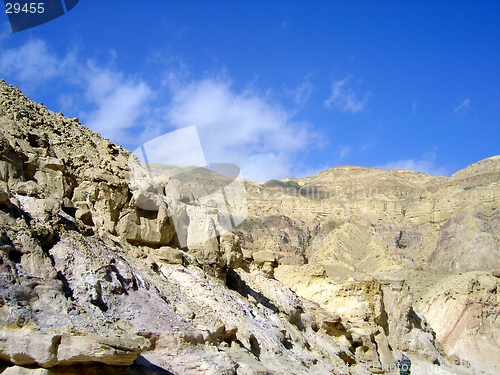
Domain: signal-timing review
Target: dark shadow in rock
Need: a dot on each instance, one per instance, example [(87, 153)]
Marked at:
[(255, 346), (234, 282), (68, 292), (415, 320), (46, 238), (9, 209), (142, 366)]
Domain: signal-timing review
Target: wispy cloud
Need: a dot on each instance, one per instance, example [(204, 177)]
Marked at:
[(5, 31), (345, 98), (302, 93), (344, 151), (35, 62), (119, 109), (462, 107), (414, 108), (113, 103), (368, 145), (426, 164)]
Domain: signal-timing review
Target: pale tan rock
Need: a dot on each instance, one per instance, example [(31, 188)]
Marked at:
[(17, 370), (263, 256), (27, 347), (4, 192), (98, 174), (30, 188), (372, 307), (330, 229), (169, 255), (118, 351), (145, 227), (463, 311), (51, 163), (230, 247), (202, 238), (179, 192)]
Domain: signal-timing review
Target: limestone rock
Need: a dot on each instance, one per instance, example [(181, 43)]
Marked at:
[(118, 351), (16, 370), (463, 310), (4, 189), (84, 215), (230, 247)]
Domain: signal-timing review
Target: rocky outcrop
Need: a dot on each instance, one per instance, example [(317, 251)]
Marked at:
[(407, 215), (276, 234), (468, 241), (399, 225)]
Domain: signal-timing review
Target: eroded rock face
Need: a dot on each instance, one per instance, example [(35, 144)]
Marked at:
[(277, 234), (406, 218), (101, 273), (468, 241), (464, 311)]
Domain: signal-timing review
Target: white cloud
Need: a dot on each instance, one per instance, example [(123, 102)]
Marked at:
[(119, 110), (184, 148), (244, 128), (118, 102), (115, 103), (414, 107), (463, 106), (345, 98), (425, 164)]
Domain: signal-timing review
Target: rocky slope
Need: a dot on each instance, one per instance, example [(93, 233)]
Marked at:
[(104, 273), (361, 228)]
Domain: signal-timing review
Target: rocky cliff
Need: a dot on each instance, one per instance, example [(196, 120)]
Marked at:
[(338, 273)]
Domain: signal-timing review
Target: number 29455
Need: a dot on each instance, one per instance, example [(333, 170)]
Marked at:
[(16, 8)]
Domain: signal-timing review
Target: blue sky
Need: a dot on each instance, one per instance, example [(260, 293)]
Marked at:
[(280, 88)]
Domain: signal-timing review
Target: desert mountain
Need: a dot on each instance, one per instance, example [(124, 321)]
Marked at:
[(333, 274)]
